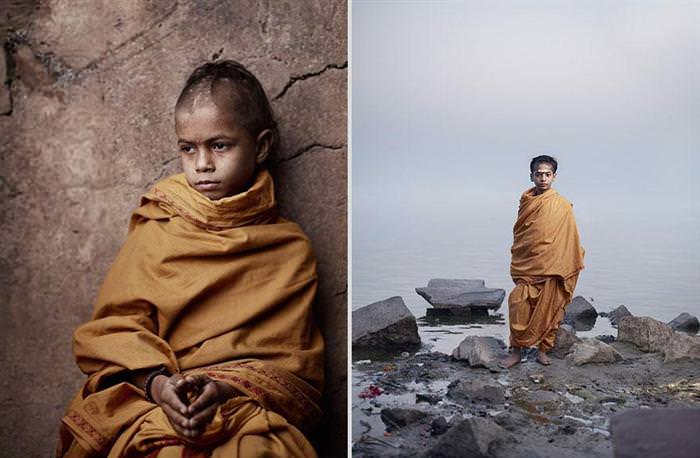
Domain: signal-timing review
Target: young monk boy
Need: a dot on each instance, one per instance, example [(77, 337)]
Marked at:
[(547, 257), (202, 341)]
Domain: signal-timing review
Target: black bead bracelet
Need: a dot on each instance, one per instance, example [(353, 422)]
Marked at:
[(162, 370)]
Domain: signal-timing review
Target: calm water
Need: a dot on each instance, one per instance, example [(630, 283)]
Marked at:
[(648, 261)]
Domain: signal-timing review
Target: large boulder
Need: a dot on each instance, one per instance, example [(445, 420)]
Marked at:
[(651, 335), (646, 333), (663, 433), (685, 322), (617, 314), (384, 324), (589, 350), (461, 294), (471, 438), (485, 392), (566, 338), (580, 314), (480, 351), (682, 346)]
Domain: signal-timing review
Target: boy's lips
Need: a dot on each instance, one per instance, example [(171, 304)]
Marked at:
[(206, 184)]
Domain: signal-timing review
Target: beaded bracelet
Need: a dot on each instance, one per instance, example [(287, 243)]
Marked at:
[(162, 370)]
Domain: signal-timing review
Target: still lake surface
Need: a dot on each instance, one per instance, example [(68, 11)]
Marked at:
[(648, 261)]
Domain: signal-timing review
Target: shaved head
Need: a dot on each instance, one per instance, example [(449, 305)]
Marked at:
[(233, 89)]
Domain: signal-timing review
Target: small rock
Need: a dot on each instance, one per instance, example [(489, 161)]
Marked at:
[(438, 426), (593, 351), (606, 338), (685, 322), (384, 324), (618, 313), (474, 437), (461, 293), (646, 333), (480, 351), (399, 417), (536, 378), (566, 338), (580, 314), (430, 398), (664, 433), (476, 391)]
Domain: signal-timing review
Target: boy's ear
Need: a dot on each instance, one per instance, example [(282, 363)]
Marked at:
[(263, 145)]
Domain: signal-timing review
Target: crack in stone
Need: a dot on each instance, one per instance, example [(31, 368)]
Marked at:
[(308, 148), (113, 51), (161, 174), (293, 79)]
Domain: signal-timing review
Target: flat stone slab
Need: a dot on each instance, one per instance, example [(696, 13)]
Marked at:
[(461, 293), (661, 433), (384, 324)]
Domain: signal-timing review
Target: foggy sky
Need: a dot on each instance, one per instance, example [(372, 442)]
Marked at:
[(450, 100)]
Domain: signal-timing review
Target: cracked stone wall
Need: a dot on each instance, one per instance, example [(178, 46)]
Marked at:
[(87, 126)]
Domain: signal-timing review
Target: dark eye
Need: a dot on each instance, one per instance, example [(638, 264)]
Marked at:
[(218, 146), (186, 149)]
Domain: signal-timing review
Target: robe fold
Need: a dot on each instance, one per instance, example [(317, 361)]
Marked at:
[(222, 288), (546, 259)]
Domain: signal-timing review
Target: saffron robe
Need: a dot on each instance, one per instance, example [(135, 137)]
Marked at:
[(223, 288), (547, 257)]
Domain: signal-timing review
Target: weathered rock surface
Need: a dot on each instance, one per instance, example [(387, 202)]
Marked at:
[(480, 351), (461, 293), (384, 324), (662, 433), (651, 335), (593, 351), (93, 83), (464, 391), (646, 333), (682, 346), (617, 314), (399, 417), (474, 437), (685, 322), (566, 338), (580, 314)]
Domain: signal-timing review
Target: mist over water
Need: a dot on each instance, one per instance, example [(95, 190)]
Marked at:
[(451, 100)]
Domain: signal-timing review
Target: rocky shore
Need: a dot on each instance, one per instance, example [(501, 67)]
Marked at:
[(438, 405)]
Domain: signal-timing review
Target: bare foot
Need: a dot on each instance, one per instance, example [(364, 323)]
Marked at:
[(543, 359), (512, 359)]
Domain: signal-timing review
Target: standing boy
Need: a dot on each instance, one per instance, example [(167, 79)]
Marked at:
[(547, 257)]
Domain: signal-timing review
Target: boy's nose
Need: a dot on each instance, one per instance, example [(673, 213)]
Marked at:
[(204, 161)]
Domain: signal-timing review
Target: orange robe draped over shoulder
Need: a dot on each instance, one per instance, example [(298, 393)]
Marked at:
[(547, 257), (223, 288)]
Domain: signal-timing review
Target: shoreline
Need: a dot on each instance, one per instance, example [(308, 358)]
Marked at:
[(404, 405)]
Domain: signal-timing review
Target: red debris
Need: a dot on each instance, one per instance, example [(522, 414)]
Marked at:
[(370, 392)]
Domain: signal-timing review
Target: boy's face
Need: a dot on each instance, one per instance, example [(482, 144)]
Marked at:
[(219, 155), (543, 176)]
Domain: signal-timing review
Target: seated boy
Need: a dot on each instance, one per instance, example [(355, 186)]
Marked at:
[(547, 257), (202, 341)]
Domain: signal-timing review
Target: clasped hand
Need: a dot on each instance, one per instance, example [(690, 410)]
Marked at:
[(189, 402)]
